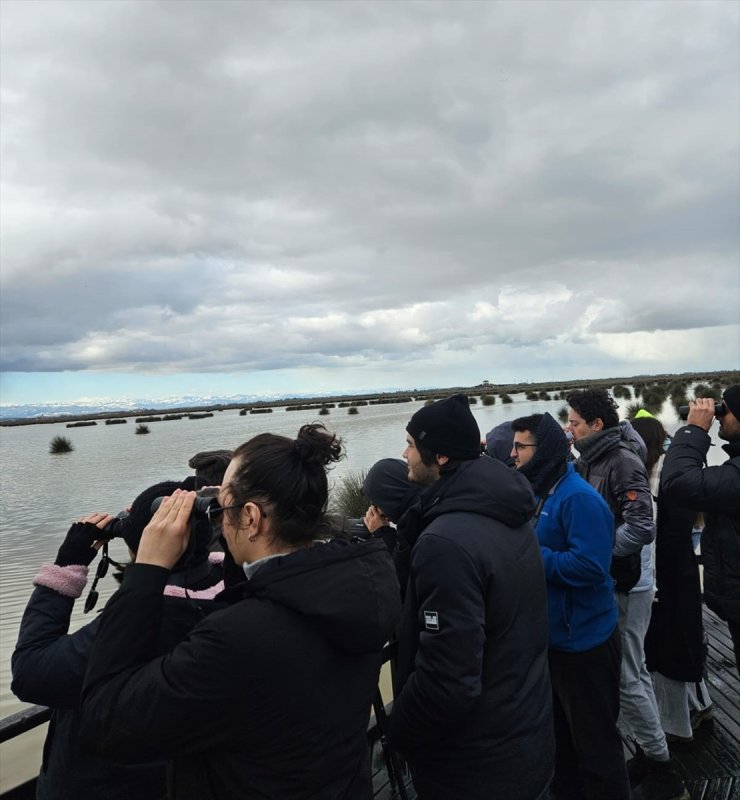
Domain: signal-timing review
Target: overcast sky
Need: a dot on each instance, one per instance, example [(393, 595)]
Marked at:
[(241, 197)]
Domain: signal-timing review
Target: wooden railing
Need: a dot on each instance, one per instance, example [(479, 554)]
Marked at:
[(23, 721), (30, 718)]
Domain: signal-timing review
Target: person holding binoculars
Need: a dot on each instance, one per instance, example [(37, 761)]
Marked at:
[(687, 481), (271, 696), (49, 663)]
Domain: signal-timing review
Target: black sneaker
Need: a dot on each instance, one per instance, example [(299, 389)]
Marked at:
[(661, 782)]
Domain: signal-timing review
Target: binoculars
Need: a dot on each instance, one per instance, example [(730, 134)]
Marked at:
[(719, 411)]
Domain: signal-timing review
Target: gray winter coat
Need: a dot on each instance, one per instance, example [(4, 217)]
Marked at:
[(617, 471), (612, 461)]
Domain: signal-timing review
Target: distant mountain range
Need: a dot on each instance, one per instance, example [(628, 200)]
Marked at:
[(102, 406), (39, 410)]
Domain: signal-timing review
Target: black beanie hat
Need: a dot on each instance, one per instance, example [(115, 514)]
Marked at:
[(387, 486), (731, 396), (447, 428)]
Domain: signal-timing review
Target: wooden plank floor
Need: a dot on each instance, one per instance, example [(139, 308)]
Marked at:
[(710, 766), (382, 788)]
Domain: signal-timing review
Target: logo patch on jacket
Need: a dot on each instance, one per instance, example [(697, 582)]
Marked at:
[(431, 620), (632, 495)]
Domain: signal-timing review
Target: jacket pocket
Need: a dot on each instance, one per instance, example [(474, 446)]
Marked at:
[(568, 613)]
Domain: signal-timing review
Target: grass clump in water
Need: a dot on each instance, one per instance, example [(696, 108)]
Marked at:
[(348, 500), (61, 444)]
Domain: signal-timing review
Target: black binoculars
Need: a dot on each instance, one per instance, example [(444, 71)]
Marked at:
[(719, 411), (207, 498)]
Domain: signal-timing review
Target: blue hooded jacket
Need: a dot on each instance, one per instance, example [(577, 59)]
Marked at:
[(575, 534), (575, 530)]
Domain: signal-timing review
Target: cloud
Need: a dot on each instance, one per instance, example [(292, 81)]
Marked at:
[(293, 186)]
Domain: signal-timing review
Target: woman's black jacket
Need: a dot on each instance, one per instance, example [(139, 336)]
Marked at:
[(48, 667), (674, 640), (269, 698)]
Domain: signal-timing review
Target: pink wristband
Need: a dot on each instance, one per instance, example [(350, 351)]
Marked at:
[(69, 580)]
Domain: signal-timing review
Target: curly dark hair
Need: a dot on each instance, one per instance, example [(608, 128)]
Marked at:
[(594, 404)]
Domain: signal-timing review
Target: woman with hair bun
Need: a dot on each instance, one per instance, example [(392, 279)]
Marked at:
[(270, 697)]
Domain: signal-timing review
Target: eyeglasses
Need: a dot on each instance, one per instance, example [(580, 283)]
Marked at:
[(213, 512), (101, 572), (521, 445)]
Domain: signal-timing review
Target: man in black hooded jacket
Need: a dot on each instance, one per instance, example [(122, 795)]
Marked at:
[(473, 711), (716, 491)]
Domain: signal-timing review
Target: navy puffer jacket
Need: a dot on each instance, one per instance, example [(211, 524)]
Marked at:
[(473, 698)]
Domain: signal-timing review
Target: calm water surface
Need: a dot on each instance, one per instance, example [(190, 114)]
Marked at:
[(42, 494)]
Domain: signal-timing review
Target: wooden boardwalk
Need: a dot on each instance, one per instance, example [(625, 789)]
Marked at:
[(382, 787), (709, 766)]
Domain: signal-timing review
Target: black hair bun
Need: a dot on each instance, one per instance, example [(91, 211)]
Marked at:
[(316, 446)]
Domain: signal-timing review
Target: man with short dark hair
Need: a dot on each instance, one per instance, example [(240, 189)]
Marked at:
[(473, 710), (574, 527), (612, 459), (715, 491)]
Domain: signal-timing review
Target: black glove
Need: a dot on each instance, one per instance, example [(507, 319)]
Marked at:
[(77, 547), (626, 571)]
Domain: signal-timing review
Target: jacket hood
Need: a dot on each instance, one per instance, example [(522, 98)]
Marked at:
[(387, 486), (550, 456), (499, 441), (348, 591), (484, 486)]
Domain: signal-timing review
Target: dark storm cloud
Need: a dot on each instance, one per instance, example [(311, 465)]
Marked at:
[(224, 186)]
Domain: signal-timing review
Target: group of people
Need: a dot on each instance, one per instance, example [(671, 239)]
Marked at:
[(595, 519), (241, 654)]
